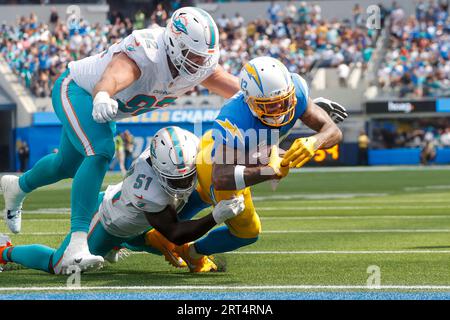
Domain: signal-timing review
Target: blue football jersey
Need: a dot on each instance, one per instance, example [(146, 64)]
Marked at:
[(238, 128)]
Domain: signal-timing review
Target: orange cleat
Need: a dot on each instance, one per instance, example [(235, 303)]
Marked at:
[(5, 242), (203, 264), (156, 240)]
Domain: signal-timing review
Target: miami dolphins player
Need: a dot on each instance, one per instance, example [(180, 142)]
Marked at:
[(146, 71), (157, 187), (261, 115)]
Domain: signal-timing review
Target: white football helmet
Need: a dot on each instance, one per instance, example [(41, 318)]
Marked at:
[(173, 152), (269, 91), (192, 42)]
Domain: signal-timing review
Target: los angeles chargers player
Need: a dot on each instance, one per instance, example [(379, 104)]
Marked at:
[(157, 187), (146, 71), (260, 115)]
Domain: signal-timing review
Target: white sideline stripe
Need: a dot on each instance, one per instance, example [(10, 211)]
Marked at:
[(48, 211), (286, 231), (360, 231), (351, 208), (344, 252), (228, 288), (71, 116), (37, 234), (318, 196), (66, 211), (400, 217), (311, 252)]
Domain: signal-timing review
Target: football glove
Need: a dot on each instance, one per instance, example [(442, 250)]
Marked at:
[(275, 163), (105, 108), (227, 209), (300, 152), (336, 112)]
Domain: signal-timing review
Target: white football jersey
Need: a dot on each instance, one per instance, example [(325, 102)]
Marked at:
[(153, 90), (122, 211)]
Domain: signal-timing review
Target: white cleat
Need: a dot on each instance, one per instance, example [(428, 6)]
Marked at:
[(77, 258), (81, 262), (14, 197)]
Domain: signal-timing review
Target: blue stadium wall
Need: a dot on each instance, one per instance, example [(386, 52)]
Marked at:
[(44, 135), (405, 156)]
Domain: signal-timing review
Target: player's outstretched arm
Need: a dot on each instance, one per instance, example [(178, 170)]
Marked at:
[(222, 83), (181, 232), (328, 135)]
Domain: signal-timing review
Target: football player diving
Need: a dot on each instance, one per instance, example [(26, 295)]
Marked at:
[(260, 115), (156, 188)]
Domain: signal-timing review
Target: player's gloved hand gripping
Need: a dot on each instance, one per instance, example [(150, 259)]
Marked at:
[(275, 162), (336, 112), (300, 152), (105, 108), (227, 209)]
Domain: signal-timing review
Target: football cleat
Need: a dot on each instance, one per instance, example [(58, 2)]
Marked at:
[(14, 197), (77, 258), (5, 242), (156, 240), (203, 264), (117, 254), (83, 261)]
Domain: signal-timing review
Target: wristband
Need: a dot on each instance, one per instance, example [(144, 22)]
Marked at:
[(239, 177)]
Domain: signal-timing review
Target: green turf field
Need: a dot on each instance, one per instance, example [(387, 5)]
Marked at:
[(320, 230)]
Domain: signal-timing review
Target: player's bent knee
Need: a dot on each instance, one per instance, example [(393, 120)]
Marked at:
[(105, 148)]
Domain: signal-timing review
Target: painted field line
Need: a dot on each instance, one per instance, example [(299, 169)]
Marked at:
[(295, 231), (317, 208), (314, 252), (399, 217), (369, 202), (325, 252), (37, 234), (359, 231), (286, 231), (317, 196), (46, 220), (369, 217), (231, 288)]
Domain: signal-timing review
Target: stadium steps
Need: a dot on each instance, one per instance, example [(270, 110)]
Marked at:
[(326, 84), (21, 96)]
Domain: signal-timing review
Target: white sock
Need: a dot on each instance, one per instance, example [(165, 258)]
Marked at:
[(78, 241)]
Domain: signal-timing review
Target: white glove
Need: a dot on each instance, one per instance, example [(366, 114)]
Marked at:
[(227, 209), (105, 108), (336, 112)]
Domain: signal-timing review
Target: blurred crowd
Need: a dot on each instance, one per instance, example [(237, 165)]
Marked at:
[(298, 35), (414, 134), (417, 62)]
